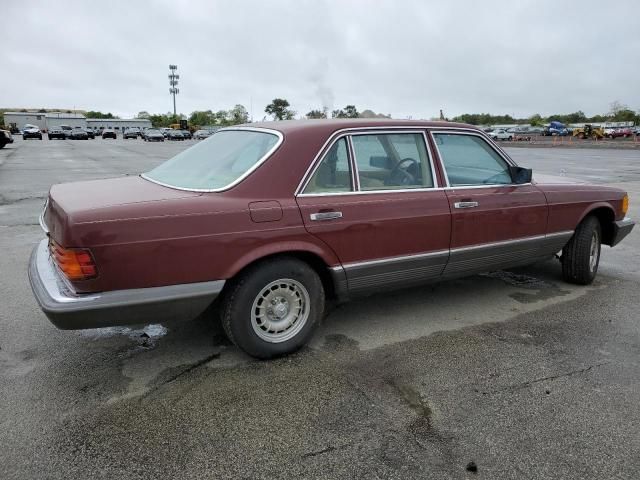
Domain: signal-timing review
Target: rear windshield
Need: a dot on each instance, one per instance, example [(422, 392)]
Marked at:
[(217, 162)]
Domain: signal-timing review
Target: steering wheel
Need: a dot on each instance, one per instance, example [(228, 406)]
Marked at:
[(400, 173)]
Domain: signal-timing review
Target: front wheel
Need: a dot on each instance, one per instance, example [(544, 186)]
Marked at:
[(581, 256), (273, 308)]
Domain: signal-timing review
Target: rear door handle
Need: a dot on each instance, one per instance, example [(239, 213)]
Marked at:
[(465, 204), (325, 216)]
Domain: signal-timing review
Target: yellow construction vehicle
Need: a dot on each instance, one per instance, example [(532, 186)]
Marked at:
[(589, 131)]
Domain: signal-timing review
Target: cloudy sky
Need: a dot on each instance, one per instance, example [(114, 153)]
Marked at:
[(406, 58)]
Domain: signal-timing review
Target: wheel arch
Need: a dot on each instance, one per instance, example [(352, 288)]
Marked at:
[(606, 215), (320, 261)]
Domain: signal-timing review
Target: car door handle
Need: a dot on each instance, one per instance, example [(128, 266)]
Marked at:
[(465, 204), (325, 215)]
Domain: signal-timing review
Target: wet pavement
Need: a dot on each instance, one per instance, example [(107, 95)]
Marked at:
[(503, 375)]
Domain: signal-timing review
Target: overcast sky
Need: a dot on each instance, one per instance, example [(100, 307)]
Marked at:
[(406, 58)]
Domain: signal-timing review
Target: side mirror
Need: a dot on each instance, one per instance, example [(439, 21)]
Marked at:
[(520, 175)]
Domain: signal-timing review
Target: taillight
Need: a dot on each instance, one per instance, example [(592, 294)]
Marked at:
[(75, 263)]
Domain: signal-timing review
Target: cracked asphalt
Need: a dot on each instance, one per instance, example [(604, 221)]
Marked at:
[(505, 375)]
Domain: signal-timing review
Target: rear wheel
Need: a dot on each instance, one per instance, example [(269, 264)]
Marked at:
[(273, 308), (581, 256)]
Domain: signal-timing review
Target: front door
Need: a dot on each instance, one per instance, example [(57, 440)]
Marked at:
[(495, 222), (372, 199)]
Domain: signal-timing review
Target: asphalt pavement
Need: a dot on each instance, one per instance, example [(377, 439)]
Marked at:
[(511, 374)]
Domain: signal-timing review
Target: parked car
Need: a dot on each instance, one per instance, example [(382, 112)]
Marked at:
[(130, 133), (90, 133), (153, 135), (202, 134), (624, 132), (175, 135), (56, 132), (78, 134), (165, 131), (5, 138), (501, 135), (186, 134), (109, 133), (67, 130), (31, 131), (273, 219)]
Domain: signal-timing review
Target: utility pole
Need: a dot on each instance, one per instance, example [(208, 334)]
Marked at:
[(173, 83)]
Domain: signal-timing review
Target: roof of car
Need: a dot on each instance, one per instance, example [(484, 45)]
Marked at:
[(323, 126)]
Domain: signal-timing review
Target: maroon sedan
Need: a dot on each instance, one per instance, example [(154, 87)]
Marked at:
[(273, 219)]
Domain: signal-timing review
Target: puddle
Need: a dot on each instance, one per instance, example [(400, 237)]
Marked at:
[(518, 280)]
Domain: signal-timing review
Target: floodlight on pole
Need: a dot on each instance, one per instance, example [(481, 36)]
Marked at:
[(173, 83)]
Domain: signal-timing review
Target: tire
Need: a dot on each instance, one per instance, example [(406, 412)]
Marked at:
[(581, 256), (280, 282), (510, 138)]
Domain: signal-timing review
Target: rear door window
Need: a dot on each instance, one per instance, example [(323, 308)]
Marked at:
[(333, 174)]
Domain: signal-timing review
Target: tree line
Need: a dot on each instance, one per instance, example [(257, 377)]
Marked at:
[(280, 109), (618, 112)]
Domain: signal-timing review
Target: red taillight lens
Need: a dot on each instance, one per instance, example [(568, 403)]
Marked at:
[(75, 263)]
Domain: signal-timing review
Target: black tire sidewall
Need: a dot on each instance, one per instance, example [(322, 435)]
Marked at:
[(576, 254), (236, 315)]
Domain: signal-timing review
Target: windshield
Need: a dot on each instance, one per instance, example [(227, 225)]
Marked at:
[(215, 163)]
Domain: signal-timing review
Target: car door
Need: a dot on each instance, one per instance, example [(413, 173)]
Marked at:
[(496, 223), (372, 198)]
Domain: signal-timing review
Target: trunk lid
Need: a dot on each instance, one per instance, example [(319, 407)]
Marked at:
[(98, 200)]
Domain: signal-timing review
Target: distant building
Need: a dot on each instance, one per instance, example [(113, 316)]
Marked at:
[(46, 121), (55, 119), (117, 123)]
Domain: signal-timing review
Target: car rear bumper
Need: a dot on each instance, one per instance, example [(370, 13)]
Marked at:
[(621, 229), (70, 311)]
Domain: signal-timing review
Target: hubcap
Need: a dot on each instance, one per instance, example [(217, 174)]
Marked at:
[(593, 252), (280, 310)]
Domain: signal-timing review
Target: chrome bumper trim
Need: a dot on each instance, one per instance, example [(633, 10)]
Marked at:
[(70, 311), (621, 229)]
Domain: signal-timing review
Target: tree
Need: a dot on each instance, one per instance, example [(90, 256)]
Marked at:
[(143, 114), (535, 120), (317, 114), (279, 109), (371, 114), (206, 117), (238, 114), (350, 111), (222, 118), (94, 114), (619, 112)]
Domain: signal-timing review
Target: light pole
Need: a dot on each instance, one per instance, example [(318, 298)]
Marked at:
[(173, 83)]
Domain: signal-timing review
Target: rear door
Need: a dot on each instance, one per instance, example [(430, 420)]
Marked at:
[(496, 223), (373, 199)]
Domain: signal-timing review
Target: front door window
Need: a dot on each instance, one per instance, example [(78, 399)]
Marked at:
[(469, 160), (388, 161)]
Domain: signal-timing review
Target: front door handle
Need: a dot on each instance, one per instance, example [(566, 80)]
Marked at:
[(325, 215), (465, 204)]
